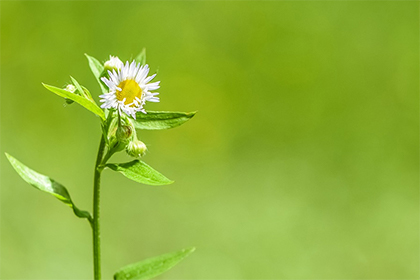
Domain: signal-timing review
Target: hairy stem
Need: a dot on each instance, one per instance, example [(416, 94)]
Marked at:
[(96, 212)]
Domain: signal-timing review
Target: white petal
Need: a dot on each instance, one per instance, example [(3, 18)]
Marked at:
[(148, 79)]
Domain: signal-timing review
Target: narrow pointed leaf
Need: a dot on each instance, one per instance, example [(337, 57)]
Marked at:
[(88, 104), (87, 93), (81, 89), (46, 184), (152, 267), (140, 172), (77, 85), (141, 58), (97, 70), (156, 120)]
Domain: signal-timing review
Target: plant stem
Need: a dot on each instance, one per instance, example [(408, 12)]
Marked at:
[(96, 212)]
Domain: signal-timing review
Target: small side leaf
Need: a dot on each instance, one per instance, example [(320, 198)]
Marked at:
[(97, 69), (77, 85), (88, 104), (140, 172), (81, 89), (141, 58), (46, 184), (86, 92), (152, 267), (156, 120)]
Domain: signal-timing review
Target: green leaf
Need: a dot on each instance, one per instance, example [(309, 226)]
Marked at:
[(141, 58), (81, 89), (77, 85), (152, 267), (155, 120), (87, 93), (88, 104), (46, 184), (140, 172), (97, 69)]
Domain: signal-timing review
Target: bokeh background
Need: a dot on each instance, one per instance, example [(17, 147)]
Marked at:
[(302, 162)]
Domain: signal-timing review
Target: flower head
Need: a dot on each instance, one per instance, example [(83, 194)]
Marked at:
[(129, 89)]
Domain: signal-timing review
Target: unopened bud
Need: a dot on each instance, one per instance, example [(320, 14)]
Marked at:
[(120, 133), (124, 133), (136, 148), (114, 63), (70, 88)]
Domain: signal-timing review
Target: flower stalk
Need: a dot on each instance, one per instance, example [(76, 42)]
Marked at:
[(96, 212)]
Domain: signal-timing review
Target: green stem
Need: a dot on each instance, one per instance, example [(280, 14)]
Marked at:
[(96, 212)]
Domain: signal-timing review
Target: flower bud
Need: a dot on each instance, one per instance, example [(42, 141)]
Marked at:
[(136, 148), (124, 133), (120, 133), (114, 63), (70, 88)]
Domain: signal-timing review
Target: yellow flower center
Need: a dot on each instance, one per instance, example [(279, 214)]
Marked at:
[(130, 90)]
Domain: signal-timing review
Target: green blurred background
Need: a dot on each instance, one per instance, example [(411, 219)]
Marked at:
[(302, 162)]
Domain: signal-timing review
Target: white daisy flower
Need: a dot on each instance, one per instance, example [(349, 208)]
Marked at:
[(129, 89)]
